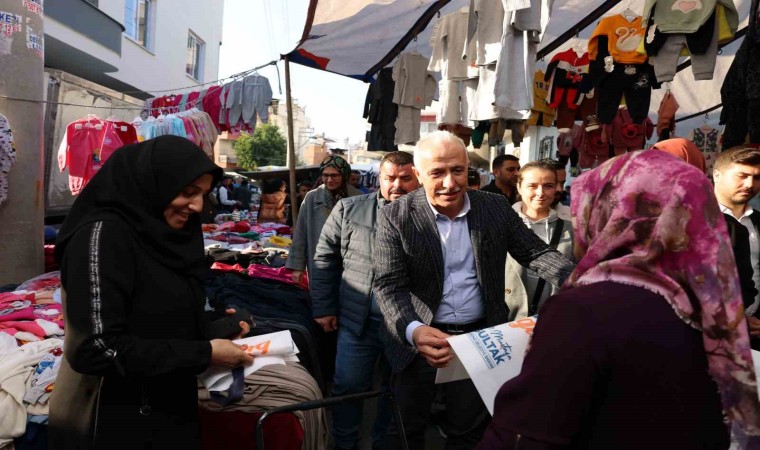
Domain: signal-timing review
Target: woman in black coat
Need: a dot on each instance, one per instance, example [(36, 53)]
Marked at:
[(132, 267)]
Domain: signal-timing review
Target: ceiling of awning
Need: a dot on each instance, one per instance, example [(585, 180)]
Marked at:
[(356, 38)]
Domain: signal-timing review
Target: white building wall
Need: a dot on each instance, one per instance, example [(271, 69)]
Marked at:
[(163, 66)]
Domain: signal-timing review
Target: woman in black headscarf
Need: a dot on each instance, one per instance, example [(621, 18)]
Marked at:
[(132, 266), (316, 207)]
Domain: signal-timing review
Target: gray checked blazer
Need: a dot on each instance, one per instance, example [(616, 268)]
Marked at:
[(408, 262)]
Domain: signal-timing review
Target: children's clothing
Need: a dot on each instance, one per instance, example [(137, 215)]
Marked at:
[(7, 156), (485, 28), (414, 90), (565, 74), (622, 39), (541, 114), (634, 81), (666, 115)]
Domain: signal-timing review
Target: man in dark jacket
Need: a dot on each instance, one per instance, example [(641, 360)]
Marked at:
[(243, 194), (341, 291), (737, 179), (439, 261), (505, 170)]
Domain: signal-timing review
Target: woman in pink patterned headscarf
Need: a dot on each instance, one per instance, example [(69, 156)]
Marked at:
[(610, 365)]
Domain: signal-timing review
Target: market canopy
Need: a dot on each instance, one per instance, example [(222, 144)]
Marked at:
[(357, 38)]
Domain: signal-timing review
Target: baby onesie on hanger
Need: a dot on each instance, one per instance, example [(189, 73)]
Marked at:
[(448, 39), (622, 39), (585, 112), (565, 76), (628, 135), (484, 27), (257, 95), (414, 90), (80, 149), (7, 156), (569, 145), (666, 115), (541, 114), (703, 58)]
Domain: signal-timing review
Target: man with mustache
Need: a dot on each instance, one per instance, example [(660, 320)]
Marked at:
[(439, 256), (342, 300), (736, 174)]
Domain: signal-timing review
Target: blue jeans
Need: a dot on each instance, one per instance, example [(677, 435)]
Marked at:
[(354, 370)]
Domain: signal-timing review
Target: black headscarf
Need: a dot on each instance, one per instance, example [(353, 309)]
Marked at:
[(135, 186)]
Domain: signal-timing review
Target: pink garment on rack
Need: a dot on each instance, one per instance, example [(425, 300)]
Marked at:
[(87, 144), (116, 135)]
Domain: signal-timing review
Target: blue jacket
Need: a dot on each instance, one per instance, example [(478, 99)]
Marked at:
[(341, 282)]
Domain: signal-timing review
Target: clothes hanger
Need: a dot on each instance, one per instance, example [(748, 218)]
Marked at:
[(629, 14)]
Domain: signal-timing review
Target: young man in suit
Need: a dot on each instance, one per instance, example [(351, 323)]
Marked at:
[(439, 257), (737, 180)]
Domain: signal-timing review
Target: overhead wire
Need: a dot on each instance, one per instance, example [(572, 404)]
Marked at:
[(141, 108)]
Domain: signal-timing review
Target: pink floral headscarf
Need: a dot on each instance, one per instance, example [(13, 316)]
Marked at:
[(648, 219)]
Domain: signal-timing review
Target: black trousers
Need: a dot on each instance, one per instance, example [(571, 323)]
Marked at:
[(632, 80), (466, 415)]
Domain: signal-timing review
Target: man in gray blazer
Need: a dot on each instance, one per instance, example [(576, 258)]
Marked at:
[(341, 294), (439, 270)]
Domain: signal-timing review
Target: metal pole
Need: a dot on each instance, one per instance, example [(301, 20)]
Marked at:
[(291, 144), (22, 76)]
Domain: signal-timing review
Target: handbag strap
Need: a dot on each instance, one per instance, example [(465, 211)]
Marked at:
[(559, 226)]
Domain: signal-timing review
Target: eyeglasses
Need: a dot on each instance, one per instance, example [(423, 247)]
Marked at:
[(330, 176)]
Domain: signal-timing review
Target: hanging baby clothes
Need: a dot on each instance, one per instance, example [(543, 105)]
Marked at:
[(414, 90), (485, 29), (7, 156), (618, 69), (628, 135), (212, 104), (381, 112), (247, 99), (541, 114), (458, 79), (567, 77), (740, 92), (569, 145), (596, 148), (87, 144), (523, 26), (687, 24), (707, 140), (666, 116)]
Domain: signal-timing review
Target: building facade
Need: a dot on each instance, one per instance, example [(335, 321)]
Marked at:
[(135, 46), (110, 55)]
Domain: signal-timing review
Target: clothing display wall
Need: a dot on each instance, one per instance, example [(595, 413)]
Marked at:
[(7, 156)]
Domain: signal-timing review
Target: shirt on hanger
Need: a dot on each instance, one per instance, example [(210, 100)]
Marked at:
[(624, 37)]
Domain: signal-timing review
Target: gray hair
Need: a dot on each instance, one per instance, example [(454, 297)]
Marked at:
[(435, 139)]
